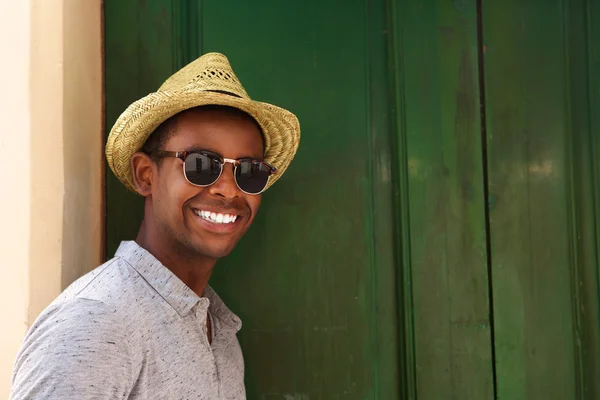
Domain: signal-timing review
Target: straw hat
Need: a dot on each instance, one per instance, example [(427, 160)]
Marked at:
[(209, 80)]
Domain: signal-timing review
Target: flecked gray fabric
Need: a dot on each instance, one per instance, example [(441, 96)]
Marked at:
[(131, 329)]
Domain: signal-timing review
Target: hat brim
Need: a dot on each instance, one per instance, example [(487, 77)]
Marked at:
[(280, 127)]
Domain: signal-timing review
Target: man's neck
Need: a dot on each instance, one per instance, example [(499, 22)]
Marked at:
[(192, 270)]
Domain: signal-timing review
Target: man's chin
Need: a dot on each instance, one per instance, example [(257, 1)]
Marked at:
[(215, 251)]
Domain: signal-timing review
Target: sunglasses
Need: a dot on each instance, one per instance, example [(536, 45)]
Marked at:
[(204, 168)]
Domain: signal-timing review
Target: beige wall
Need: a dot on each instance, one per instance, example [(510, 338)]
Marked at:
[(50, 157), (14, 181)]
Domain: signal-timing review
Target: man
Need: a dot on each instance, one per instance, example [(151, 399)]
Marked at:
[(146, 325)]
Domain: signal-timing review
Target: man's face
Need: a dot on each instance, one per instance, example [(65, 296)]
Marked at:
[(176, 203)]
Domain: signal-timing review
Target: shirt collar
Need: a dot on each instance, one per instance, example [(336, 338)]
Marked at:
[(171, 288), (220, 310)]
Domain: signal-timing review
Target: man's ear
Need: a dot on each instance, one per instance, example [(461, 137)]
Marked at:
[(142, 168)]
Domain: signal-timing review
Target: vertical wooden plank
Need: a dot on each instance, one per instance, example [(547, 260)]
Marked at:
[(187, 32), (592, 276), (439, 125), (583, 20), (382, 216), (580, 211), (400, 174), (406, 375), (527, 109)]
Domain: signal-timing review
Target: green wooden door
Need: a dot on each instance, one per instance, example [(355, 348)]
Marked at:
[(436, 236)]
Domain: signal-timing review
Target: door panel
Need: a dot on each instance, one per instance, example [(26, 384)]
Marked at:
[(538, 146), (440, 127), (314, 278)]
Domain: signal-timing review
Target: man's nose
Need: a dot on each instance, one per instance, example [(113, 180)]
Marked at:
[(225, 186)]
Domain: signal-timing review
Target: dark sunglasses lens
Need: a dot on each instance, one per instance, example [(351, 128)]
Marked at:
[(252, 176), (202, 169)]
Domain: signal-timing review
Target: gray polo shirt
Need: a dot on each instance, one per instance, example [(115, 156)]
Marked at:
[(131, 329)]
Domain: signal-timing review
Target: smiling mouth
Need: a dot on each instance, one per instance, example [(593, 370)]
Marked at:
[(216, 218)]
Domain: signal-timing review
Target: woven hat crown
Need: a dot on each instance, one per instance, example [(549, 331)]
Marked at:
[(211, 72)]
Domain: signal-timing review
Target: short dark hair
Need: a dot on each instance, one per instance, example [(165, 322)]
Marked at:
[(167, 129)]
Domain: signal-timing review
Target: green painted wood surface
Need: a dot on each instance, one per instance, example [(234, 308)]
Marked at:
[(543, 199), (440, 128), (582, 27), (365, 275)]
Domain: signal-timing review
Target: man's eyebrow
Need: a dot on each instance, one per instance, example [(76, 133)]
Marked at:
[(200, 148)]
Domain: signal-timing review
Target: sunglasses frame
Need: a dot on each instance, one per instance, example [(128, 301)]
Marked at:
[(182, 155)]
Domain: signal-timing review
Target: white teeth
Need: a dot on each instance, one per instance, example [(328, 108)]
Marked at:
[(216, 218)]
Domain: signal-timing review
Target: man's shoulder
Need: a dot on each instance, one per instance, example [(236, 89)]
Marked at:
[(77, 333), (97, 294), (94, 305), (106, 294), (114, 291), (112, 284)]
